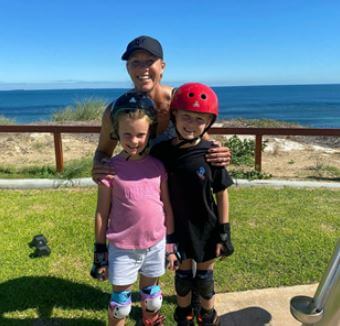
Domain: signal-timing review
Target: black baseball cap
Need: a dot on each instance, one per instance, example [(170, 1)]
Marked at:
[(145, 43)]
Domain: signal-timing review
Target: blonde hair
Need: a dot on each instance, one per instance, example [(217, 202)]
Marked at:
[(134, 114)]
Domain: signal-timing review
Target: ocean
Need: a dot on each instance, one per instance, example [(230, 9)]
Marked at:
[(315, 106)]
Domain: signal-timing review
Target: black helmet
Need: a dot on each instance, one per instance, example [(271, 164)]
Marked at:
[(130, 102)]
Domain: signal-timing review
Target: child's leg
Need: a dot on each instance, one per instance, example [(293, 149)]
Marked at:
[(151, 300), (195, 297), (152, 268), (184, 284), (120, 305), (123, 272), (204, 282)]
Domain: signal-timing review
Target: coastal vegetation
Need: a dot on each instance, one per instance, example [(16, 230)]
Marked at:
[(78, 168), (285, 244), (6, 121), (87, 110)]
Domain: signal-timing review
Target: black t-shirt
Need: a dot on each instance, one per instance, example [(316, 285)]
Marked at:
[(192, 182)]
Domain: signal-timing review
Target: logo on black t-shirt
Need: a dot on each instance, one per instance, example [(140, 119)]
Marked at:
[(201, 173)]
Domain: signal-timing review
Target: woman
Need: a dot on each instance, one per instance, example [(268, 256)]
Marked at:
[(145, 65)]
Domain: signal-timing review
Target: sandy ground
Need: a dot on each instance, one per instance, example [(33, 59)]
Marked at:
[(294, 158)]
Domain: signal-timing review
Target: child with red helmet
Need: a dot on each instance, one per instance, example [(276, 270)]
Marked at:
[(201, 223)]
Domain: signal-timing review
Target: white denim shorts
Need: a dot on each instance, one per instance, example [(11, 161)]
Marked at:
[(125, 264)]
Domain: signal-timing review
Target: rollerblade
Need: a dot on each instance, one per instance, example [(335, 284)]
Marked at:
[(184, 316), (208, 318), (154, 320)]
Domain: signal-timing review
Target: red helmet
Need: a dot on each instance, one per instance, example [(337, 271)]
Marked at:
[(195, 97)]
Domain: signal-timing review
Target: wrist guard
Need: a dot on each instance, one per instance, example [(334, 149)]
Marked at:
[(171, 238), (100, 259), (225, 239)]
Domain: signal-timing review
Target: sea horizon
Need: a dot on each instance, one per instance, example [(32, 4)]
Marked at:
[(310, 105), (173, 84)]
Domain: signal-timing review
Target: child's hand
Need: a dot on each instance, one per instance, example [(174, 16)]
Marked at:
[(100, 262), (224, 247), (172, 262), (101, 274), (220, 251)]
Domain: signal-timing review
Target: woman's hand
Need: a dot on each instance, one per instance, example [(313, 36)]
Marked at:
[(218, 155), (102, 170)]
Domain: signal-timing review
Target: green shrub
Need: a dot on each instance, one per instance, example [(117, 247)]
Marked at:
[(89, 109), (73, 169), (243, 151), (6, 121), (77, 168), (250, 175)]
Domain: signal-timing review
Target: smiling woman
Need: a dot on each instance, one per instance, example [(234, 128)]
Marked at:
[(145, 65)]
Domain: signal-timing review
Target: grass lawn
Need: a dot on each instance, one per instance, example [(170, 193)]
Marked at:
[(282, 237)]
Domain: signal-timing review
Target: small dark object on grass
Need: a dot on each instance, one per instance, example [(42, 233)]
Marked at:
[(39, 242)]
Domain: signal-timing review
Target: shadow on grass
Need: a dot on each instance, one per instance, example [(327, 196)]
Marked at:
[(45, 293), (250, 316)]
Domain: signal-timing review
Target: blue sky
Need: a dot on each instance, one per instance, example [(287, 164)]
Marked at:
[(73, 43)]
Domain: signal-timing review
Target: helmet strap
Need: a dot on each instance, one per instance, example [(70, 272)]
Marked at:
[(184, 141)]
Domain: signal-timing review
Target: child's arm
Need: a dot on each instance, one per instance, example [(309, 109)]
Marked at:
[(170, 227), (102, 213), (222, 200), (224, 247), (169, 216), (100, 261)]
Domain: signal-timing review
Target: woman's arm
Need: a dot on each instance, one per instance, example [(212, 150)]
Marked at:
[(104, 150)]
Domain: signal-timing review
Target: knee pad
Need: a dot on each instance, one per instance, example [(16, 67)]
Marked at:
[(151, 297), (120, 304), (183, 282), (204, 283)]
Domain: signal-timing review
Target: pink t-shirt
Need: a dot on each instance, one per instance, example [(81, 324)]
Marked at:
[(137, 218)]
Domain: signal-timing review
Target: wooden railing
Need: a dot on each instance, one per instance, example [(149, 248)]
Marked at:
[(57, 131)]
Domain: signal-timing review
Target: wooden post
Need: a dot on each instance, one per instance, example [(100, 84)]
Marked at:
[(258, 152), (58, 149)]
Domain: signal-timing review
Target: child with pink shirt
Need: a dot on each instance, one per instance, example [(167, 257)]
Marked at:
[(134, 215)]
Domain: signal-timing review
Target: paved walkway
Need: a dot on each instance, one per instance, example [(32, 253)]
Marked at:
[(260, 307)]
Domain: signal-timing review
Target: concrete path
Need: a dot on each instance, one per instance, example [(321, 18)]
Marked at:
[(260, 307)]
